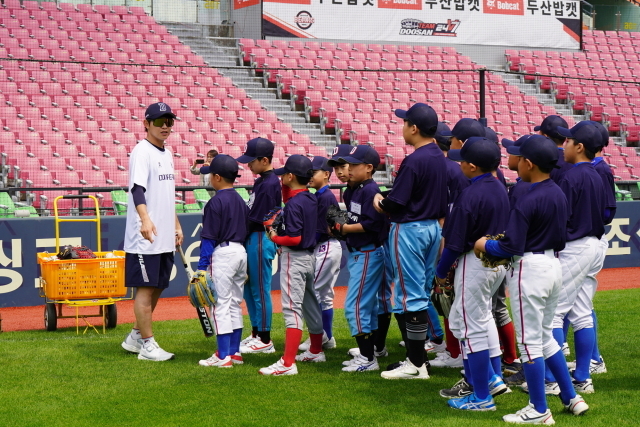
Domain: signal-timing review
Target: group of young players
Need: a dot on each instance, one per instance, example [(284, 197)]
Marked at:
[(431, 224)]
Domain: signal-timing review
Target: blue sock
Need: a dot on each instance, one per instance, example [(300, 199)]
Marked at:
[(478, 363), (327, 322), (534, 374), (224, 342), (236, 337), (558, 365), (595, 354), (565, 330), (558, 335), (496, 366), (583, 341), (467, 371)]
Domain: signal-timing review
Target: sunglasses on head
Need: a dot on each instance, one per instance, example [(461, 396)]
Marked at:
[(161, 121)]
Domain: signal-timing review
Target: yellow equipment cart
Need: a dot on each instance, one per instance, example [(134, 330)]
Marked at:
[(82, 282)]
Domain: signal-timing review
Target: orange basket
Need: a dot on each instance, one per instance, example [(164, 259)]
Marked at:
[(83, 278)]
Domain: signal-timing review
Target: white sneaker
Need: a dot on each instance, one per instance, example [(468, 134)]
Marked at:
[(529, 415), (444, 360), (278, 369), (353, 352), (307, 356), (565, 349), (236, 359), (151, 351), (577, 405), (585, 387), (431, 347), (306, 345), (247, 339), (550, 388), (361, 364), (401, 344), (330, 344), (215, 361), (407, 371), (131, 344), (596, 367), (257, 346)]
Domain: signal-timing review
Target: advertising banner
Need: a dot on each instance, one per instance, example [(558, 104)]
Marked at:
[(528, 23)]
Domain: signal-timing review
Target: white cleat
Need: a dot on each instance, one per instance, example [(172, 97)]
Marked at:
[(247, 339), (216, 362), (257, 346), (444, 360), (596, 367), (550, 388), (407, 371), (306, 345), (585, 387), (237, 359), (353, 352), (278, 369), (529, 415), (330, 344), (577, 405), (361, 364), (132, 345), (431, 347), (151, 351), (565, 349), (307, 356)]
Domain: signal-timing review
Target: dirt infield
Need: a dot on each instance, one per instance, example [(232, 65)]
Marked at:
[(30, 318)]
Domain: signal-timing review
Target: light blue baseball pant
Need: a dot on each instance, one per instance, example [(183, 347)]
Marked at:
[(386, 286), (366, 271), (257, 291)]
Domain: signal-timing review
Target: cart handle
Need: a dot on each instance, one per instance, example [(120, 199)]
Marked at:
[(58, 220)]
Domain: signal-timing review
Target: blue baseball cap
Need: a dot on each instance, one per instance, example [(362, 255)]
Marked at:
[(550, 124), (466, 128), (256, 147), (506, 143), (584, 133), (541, 150), (421, 115), (603, 131), (491, 135), (157, 110), (223, 165), (362, 154), (341, 150), (478, 150), (298, 165), (320, 163), (445, 141)]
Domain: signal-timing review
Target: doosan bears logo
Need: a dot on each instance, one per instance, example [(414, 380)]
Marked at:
[(504, 7), (415, 27), (304, 20)]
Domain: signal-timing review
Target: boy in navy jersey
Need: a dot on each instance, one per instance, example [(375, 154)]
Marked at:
[(223, 257), (584, 190), (481, 209), (266, 195), (549, 128), (328, 251), (365, 233), (297, 240), (535, 232)]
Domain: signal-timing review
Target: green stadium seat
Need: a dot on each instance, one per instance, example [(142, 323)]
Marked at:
[(119, 199), (243, 193), (7, 207), (623, 195), (201, 196), (192, 208)]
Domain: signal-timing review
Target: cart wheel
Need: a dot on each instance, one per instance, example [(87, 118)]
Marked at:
[(111, 316), (50, 317)]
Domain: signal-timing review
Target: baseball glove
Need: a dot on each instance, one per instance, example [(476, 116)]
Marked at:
[(274, 219), (336, 218), (200, 290), (491, 261), (442, 296)]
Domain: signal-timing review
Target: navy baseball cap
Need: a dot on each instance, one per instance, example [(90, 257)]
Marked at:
[(550, 124), (466, 128), (584, 133), (362, 154), (541, 150), (298, 165), (603, 131), (157, 110), (491, 135), (256, 147), (506, 143), (443, 140), (478, 150), (320, 163), (421, 115), (223, 165), (341, 150)]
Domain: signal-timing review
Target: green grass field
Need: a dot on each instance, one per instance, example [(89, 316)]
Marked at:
[(61, 379)]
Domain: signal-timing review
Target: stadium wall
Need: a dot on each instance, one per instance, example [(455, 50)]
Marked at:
[(22, 238)]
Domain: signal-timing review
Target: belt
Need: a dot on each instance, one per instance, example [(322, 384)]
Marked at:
[(290, 249), (549, 252), (366, 248), (228, 243)]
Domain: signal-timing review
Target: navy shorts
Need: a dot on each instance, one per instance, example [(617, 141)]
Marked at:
[(153, 271)]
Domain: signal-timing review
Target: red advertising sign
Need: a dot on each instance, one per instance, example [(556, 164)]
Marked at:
[(239, 4), (400, 4), (504, 7)]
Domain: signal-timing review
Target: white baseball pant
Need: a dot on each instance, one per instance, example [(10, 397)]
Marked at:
[(535, 283), (578, 259), (328, 256), (299, 301), (471, 318), (228, 271)]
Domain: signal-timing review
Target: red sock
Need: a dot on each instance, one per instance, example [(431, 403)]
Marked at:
[(507, 334), (292, 341), (453, 345), (316, 343)]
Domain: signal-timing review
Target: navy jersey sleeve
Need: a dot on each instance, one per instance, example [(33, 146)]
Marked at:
[(515, 235), (456, 227), (403, 185)]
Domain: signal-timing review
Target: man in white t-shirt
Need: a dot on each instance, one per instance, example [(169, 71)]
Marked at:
[(151, 234)]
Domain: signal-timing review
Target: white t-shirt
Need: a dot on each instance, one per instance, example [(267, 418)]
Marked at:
[(152, 169)]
